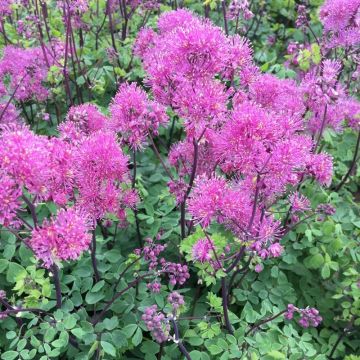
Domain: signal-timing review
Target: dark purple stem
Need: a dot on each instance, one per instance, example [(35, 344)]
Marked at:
[(262, 322), (224, 295), (93, 258), (352, 165), (55, 271), (178, 341)]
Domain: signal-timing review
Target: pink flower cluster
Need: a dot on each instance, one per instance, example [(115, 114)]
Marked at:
[(177, 273), (341, 19), (176, 300), (182, 61), (27, 70), (240, 8), (84, 167), (202, 250), (62, 238), (246, 125), (157, 323), (309, 317), (134, 116)]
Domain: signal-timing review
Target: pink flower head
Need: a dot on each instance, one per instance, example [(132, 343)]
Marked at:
[(321, 167), (299, 203), (10, 193), (176, 300), (100, 169), (82, 120), (24, 156), (201, 104), (63, 238), (134, 116), (207, 199), (9, 115), (27, 69), (202, 250), (336, 15), (144, 41), (171, 20), (156, 323)]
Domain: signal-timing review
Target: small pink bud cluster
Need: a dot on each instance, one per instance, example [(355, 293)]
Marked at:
[(240, 8), (156, 323), (176, 301), (154, 287), (309, 317), (326, 209), (178, 273), (301, 20), (151, 252)]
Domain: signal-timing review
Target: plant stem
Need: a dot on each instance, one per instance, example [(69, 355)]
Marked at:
[(321, 128), (188, 190), (262, 322), (93, 258), (12, 96), (352, 165), (133, 185), (224, 295), (156, 151), (31, 207), (98, 317), (223, 5), (55, 271), (178, 341)]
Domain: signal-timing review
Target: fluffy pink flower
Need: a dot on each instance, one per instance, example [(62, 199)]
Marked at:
[(171, 20), (321, 167), (10, 193), (82, 120), (27, 70), (202, 250), (202, 105), (64, 237), (9, 115), (299, 203), (60, 182), (144, 41), (100, 168), (134, 116), (207, 199), (336, 15), (24, 156)]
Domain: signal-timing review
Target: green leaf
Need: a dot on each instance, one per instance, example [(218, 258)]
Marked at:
[(314, 261), (108, 348), (276, 355), (3, 265), (15, 270), (137, 338), (214, 349), (93, 298), (9, 355), (70, 322), (129, 330), (150, 347), (98, 286), (325, 271)]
